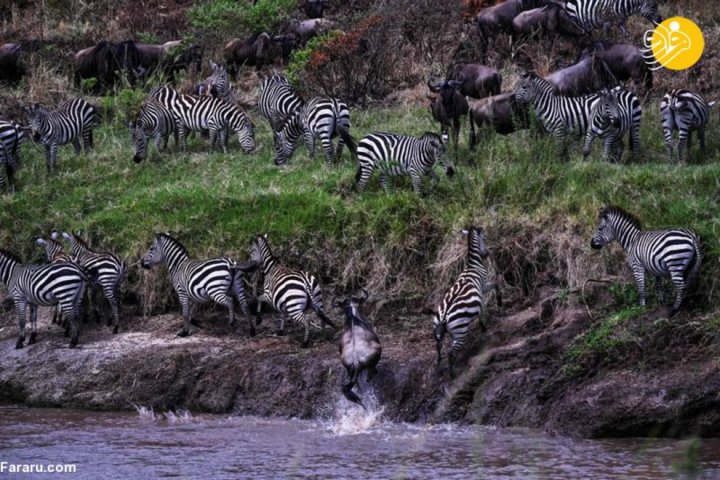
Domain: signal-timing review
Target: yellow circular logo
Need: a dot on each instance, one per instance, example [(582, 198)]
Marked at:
[(677, 43)]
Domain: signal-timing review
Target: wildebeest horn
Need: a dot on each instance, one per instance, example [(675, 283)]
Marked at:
[(433, 87), (364, 296), (336, 304)]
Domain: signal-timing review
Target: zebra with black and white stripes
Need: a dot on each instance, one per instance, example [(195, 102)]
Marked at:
[(465, 301), (219, 280), (685, 112), (12, 136), (105, 269), (54, 253), (46, 285), (591, 14), (289, 291), (220, 87), (206, 113), (321, 118), (278, 100), (69, 123), (616, 113), (154, 120), (396, 155), (673, 253)]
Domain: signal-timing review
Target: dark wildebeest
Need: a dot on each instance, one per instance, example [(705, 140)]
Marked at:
[(315, 8), (255, 51), (307, 29), (478, 81), (502, 112), (448, 107), (360, 348), (492, 21), (11, 69), (552, 19), (587, 76), (169, 57), (106, 61), (625, 61)]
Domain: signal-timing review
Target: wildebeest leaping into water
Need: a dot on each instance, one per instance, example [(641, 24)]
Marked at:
[(359, 345)]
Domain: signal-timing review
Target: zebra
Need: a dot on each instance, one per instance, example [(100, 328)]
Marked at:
[(673, 253), (616, 113), (12, 136), (220, 83), (398, 155), (199, 281), (206, 113), (46, 285), (71, 121), (278, 100), (591, 14), (153, 120), (685, 112), (322, 118), (107, 270), (54, 253), (289, 291), (558, 114), (465, 301)]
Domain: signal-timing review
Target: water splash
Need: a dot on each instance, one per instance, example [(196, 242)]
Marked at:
[(178, 416), (145, 413), (352, 419)]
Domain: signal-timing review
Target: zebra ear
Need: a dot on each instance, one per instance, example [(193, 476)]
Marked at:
[(54, 235), (40, 241), (66, 235), (464, 232)]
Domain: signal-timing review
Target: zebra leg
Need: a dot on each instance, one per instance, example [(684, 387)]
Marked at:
[(338, 150), (72, 312), (310, 143), (683, 145), (608, 150), (304, 320), (111, 294), (49, 160), (362, 177), (158, 142), (634, 140), (619, 149), (281, 331), (384, 181), (680, 289), (33, 324), (87, 139), (452, 355), (639, 274), (701, 137), (185, 302), (439, 333), (416, 179), (328, 148), (76, 146), (182, 138), (20, 306), (659, 293), (588, 143)]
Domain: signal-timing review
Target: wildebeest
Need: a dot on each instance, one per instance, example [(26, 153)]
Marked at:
[(552, 19), (502, 112), (478, 81), (498, 19), (256, 51), (587, 76), (307, 29), (169, 57), (625, 61), (448, 107), (360, 348), (105, 61), (11, 69), (315, 8)]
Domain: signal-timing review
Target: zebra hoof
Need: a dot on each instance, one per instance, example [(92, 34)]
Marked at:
[(280, 333), (115, 329), (19, 343), (74, 342), (109, 322), (183, 334), (252, 332), (33, 338), (258, 320), (305, 344)]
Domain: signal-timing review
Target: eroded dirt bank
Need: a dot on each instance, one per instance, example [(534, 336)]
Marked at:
[(519, 377)]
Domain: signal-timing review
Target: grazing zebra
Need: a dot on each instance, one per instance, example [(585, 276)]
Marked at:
[(206, 113), (591, 14), (278, 100), (558, 114), (153, 120), (46, 285), (673, 253), (289, 291), (11, 136), (220, 87), (71, 121), (199, 281), (396, 155), (465, 301), (322, 118), (616, 113), (685, 112), (106, 270)]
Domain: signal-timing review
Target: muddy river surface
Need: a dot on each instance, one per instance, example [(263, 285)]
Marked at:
[(353, 444)]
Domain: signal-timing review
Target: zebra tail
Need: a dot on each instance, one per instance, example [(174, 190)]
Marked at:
[(696, 264), (316, 301), (348, 139)]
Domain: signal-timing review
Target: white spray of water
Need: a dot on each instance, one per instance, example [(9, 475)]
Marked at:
[(145, 413), (352, 419), (178, 416)]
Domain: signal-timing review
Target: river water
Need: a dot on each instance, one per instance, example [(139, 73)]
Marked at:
[(352, 445)]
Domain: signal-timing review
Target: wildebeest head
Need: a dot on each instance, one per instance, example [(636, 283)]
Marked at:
[(477, 243), (350, 305), (447, 90)]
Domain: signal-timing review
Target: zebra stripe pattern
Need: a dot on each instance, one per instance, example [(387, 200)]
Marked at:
[(153, 120), (220, 83), (673, 253), (219, 280), (106, 270), (685, 112), (465, 301), (396, 155), (54, 253), (70, 122), (321, 118), (591, 14), (47, 285), (11, 136), (289, 291), (206, 113), (616, 113), (278, 100)]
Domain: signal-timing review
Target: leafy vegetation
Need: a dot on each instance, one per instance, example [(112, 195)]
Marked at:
[(230, 15)]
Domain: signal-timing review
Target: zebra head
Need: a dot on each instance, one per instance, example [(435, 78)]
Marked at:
[(437, 144), (477, 242), (36, 114), (260, 249), (615, 224), (156, 254), (609, 107), (53, 248), (139, 140), (526, 89), (246, 136), (649, 9)]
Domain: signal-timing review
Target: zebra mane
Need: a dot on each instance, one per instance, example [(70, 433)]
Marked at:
[(173, 241), (11, 255), (614, 210), (80, 240)]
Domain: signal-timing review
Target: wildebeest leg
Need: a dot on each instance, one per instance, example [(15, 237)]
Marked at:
[(456, 135), (33, 324), (353, 373), (473, 135), (20, 306)]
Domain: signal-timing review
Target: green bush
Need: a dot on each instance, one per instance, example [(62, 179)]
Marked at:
[(300, 57), (230, 15)]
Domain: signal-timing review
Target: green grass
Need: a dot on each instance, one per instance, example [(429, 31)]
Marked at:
[(215, 203)]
